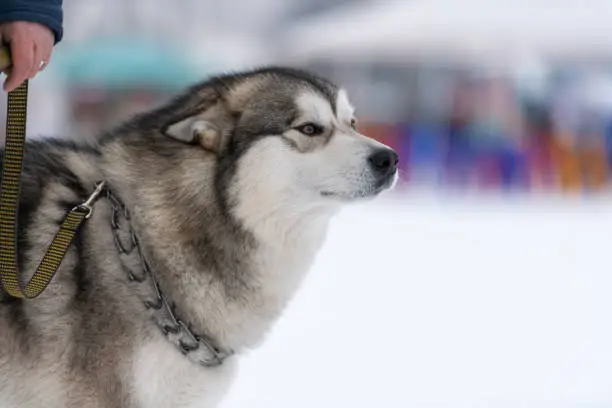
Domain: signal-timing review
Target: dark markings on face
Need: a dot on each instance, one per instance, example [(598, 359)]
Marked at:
[(271, 111), (327, 89), (266, 107)]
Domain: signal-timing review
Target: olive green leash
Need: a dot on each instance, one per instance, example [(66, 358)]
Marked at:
[(10, 183)]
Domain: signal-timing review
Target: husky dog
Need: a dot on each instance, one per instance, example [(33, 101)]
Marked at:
[(214, 207)]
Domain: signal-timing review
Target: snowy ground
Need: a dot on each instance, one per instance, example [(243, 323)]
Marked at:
[(452, 303)]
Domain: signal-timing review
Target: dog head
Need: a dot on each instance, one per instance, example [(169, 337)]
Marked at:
[(283, 135)]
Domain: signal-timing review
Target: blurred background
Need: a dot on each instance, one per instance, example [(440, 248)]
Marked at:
[(483, 280)]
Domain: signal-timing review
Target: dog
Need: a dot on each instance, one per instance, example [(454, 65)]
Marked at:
[(214, 207)]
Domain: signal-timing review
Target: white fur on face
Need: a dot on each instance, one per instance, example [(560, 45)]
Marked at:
[(345, 111), (339, 168), (275, 178)]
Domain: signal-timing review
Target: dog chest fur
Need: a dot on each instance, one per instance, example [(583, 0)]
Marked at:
[(163, 377)]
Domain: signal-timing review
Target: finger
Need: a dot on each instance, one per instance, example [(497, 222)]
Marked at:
[(37, 61), (22, 52), (46, 58)]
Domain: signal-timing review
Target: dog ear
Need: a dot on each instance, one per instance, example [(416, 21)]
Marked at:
[(182, 130), (197, 131), (205, 121)]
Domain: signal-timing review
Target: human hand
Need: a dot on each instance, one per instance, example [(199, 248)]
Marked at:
[(31, 45)]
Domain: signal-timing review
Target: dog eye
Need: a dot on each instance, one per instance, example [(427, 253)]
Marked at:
[(310, 129), (353, 124)]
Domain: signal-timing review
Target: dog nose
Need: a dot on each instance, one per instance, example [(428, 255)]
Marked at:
[(384, 162)]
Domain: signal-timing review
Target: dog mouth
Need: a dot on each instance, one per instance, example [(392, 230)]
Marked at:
[(369, 191), (388, 182)]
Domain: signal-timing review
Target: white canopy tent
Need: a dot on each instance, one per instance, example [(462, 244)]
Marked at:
[(498, 30)]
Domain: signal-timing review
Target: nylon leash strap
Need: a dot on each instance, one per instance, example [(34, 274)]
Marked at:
[(10, 187)]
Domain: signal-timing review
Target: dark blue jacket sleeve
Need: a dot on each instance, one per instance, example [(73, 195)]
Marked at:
[(47, 12)]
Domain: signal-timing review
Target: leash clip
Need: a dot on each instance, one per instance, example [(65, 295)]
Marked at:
[(87, 205)]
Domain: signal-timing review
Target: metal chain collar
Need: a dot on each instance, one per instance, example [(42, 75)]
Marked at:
[(197, 348)]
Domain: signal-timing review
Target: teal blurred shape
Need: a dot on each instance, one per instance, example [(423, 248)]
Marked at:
[(124, 63)]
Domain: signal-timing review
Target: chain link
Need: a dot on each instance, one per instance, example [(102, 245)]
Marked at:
[(197, 348)]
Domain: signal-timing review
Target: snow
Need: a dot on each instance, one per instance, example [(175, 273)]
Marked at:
[(447, 302)]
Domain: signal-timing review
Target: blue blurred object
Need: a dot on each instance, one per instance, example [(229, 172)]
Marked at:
[(608, 140), (492, 143), (460, 156), (426, 142), (513, 167), (125, 62), (426, 152)]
